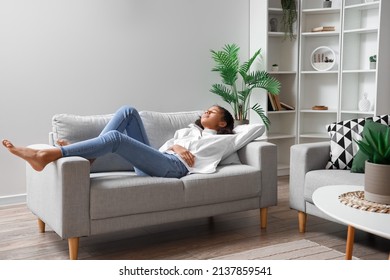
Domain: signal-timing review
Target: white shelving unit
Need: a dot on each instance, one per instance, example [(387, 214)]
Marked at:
[(278, 49), (361, 23), (360, 32), (318, 88), (357, 36)]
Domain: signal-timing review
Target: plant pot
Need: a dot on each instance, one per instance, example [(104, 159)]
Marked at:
[(376, 183), (372, 65), (275, 68), (327, 4), (240, 122)]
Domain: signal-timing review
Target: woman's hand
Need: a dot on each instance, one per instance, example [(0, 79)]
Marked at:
[(185, 154)]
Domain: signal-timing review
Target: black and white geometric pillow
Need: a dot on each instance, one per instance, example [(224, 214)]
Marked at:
[(343, 134)]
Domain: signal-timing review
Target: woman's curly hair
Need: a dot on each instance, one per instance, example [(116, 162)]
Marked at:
[(227, 117)]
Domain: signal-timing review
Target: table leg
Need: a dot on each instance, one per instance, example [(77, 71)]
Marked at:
[(350, 240)]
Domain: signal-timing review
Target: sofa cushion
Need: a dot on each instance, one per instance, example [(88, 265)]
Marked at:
[(115, 194), (343, 134), (320, 178), (160, 127), (228, 183), (74, 128)]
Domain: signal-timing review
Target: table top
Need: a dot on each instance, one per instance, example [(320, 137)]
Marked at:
[(326, 199)]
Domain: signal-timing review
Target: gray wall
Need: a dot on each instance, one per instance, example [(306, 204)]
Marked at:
[(91, 56)]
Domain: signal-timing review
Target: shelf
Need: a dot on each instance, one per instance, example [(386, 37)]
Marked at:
[(320, 72), (359, 71), (321, 34), (275, 10), (273, 136), (279, 34), (363, 6), (357, 112), (281, 112), (321, 11), (330, 111), (314, 135), (361, 31), (281, 72)]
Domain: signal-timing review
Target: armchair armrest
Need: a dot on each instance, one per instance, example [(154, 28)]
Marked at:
[(304, 158), (59, 195), (263, 156)]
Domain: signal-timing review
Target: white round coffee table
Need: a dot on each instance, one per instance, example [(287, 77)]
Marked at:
[(327, 200)]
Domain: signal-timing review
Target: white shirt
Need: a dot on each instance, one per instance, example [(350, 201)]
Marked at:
[(206, 145)]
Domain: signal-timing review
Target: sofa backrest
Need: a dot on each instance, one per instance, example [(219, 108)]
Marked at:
[(159, 127)]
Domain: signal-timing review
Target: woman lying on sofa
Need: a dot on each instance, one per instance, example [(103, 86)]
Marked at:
[(195, 149)]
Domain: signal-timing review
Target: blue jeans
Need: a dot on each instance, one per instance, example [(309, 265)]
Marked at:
[(125, 135)]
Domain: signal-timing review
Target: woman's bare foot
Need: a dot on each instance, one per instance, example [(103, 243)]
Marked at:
[(62, 142), (38, 159)]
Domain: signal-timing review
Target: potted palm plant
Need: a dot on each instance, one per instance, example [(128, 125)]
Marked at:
[(375, 144), (231, 72)]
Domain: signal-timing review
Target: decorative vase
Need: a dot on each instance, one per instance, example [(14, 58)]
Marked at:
[(376, 183), (273, 22), (240, 122), (364, 103), (327, 4), (372, 65)]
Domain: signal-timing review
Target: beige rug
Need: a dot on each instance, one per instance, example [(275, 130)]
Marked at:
[(295, 250)]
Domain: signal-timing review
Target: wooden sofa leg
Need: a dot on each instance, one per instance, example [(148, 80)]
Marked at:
[(73, 244), (302, 216), (263, 217), (41, 226)]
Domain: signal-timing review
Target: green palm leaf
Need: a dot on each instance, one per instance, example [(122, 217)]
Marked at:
[(261, 79), (244, 94), (244, 68), (259, 110), (224, 92), (227, 63)]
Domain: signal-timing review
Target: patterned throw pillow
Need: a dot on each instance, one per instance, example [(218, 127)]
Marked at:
[(343, 147)]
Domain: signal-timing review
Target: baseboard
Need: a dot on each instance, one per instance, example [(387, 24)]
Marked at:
[(13, 199), (283, 172)]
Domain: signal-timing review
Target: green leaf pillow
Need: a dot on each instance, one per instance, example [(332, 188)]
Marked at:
[(360, 158)]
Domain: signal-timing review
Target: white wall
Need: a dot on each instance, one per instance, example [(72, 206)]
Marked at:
[(91, 56)]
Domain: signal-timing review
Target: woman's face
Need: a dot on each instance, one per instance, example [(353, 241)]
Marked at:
[(213, 118)]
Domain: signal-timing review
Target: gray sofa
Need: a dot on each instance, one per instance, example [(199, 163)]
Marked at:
[(76, 199), (308, 173)]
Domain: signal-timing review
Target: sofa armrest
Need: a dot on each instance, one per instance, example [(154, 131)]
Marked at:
[(59, 195), (304, 158), (263, 156)]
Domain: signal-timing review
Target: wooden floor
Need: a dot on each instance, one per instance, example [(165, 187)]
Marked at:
[(195, 239)]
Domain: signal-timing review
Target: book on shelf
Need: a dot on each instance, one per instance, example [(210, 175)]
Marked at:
[(277, 102), (286, 106), (323, 28), (274, 103), (271, 103)]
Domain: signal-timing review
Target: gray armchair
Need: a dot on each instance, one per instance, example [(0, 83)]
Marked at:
[(308, 173)]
